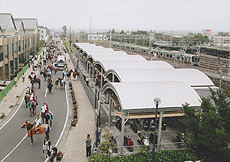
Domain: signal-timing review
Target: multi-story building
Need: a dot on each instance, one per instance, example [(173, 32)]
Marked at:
[(221, 41), (43, 33), (18, 39)]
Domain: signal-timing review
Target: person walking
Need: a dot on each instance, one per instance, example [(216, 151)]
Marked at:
[(39, 82), (49, 149), (88, 145), (54, 154), (45, 147), (23, 77), (15, 81)]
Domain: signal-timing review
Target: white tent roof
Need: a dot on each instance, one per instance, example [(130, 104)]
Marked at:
[(95, 55), (134, 65), (114, 57), (140, 96), (191, 77)]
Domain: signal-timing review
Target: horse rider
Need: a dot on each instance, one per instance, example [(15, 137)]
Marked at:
[(62, 82), (33, 98), (27, 90), (49, 117), (39, 82), (44, 107), (37, 123)]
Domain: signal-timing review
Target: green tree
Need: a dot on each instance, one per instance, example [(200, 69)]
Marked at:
[(64, 31), (41, 43), (113, 31), (122, 32), (107, 146), (139, 32), (209, 129)]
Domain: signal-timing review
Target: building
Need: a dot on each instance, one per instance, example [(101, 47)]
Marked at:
[(221, 41), (97, 37), (18, 42), (43, 33)]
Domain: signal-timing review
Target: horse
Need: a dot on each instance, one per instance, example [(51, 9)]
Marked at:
[(33, 106), (44, 128), (50, 86), (26, 98)]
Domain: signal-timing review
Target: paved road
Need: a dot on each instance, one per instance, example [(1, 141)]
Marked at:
[(12, 135)]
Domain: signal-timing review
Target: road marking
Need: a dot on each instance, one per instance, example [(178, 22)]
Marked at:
[(14, 148), (46, 92), (12, 115), (66, 119)]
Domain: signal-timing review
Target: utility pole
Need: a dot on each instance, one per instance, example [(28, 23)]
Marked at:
[(70, 41), (110, 38), (90, 27)]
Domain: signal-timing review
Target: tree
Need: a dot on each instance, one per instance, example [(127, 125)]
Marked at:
[(106, 147), (139, 32), (223, 33), (209, 130), (41, 43), (113, 31), (64, 31), (122, 32)]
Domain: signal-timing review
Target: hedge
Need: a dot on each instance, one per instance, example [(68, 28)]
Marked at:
[(160, 156)]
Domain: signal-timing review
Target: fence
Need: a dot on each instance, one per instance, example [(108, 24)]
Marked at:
[(4, 92)]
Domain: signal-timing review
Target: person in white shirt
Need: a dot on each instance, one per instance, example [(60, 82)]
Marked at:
[(37, 123)]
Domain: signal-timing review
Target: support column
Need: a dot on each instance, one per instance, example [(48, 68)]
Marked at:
[(112, 77), (122, 132), (110, 109), (89, 70), (159, 131), (101, 80)]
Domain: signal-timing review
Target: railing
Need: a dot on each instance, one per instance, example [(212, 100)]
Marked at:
[(4, 92)]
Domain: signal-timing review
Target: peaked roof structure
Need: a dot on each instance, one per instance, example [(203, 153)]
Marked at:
[(5, 20), (29, 23), (19, 24)]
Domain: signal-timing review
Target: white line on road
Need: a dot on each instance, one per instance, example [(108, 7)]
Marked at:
[(14, 148), (12, 115), (46, 92), (66, 119)]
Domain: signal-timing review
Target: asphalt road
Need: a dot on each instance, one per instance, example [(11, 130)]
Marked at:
[(14, 146)]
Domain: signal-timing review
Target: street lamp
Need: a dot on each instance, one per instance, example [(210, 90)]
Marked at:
[(156, 101)]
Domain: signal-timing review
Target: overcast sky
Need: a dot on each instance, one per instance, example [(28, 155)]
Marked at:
[(124, 14)]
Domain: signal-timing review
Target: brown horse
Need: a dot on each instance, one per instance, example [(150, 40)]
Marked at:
[(44, 128), (33, 108)]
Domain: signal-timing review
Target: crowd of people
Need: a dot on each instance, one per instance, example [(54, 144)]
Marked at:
[(47, 67)]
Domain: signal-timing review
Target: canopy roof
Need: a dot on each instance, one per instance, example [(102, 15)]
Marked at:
[(191, 77), (114, 57), (95, 55), (112, 64), (139, 96)]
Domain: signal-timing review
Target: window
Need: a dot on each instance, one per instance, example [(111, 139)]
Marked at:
[(6, 51), (11, 49), (15, 47), (1, 57)]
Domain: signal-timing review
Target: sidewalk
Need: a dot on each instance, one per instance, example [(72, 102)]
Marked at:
[(74, 149), (14, 97)]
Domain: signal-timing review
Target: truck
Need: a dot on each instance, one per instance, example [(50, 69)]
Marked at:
[(61, 62)]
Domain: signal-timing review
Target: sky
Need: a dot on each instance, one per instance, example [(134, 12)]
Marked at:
[(172, 15)]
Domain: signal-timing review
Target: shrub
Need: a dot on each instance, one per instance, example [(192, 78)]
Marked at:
[(160, 156)]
